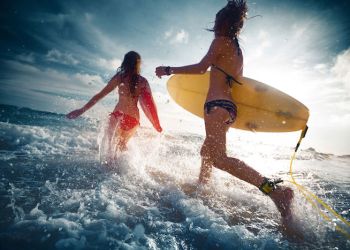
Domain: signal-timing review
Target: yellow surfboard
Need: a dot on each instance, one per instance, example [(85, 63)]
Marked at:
[(261, 108)]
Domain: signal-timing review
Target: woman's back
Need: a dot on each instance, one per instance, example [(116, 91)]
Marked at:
[(127, 102), (228, 61)]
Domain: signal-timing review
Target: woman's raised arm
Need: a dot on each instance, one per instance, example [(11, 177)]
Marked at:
[(198, 68), (112, 84)]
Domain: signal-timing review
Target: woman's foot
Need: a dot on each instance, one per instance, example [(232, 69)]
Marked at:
[(282, 197)]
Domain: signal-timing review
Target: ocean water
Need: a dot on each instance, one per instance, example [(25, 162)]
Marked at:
[(55, 194)]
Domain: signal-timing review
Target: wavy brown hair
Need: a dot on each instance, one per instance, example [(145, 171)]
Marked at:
[(128, 68), (229, 20)]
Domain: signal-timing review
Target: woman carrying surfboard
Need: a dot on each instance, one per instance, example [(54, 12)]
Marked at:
[(226, 61), (132, 87)]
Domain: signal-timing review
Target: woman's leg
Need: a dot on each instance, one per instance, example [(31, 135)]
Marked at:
[(214, 149), (205, 172), (110, 133), (123, 138), (207, 164)]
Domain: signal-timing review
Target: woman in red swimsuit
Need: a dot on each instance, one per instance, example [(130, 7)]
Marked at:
[(132, 87)]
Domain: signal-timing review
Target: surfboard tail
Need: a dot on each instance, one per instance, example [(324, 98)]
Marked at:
[(149, 108)]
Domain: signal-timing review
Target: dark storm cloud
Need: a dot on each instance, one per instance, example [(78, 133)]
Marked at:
[(86, 36), (330, 19)]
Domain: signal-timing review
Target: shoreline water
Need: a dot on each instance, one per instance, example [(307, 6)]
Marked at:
[(55, 194)]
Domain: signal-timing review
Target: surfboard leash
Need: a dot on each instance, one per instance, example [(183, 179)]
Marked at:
[(311, 198)]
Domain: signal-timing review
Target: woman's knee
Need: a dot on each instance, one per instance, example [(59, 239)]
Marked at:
[(203, 151), (206, 150)]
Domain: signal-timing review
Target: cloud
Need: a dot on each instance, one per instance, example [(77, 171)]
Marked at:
[(264, 40), (341, 68), (110, 65), (340, 120), (262, 44), (29, 58), (299, 29), (321, 68), (19, 67), (55, 55), (180, 36), (168, 34), (88, 79), (24, 76), (79, 37)]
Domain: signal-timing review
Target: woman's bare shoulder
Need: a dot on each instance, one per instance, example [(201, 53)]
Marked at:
[(116, 79), (142, 80), (116, 76)]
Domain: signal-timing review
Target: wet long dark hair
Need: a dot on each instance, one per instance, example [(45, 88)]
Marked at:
[(129, 69), (229, 20)]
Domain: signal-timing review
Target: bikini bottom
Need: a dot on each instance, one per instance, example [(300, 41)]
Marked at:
[(126, 122), (225, 104)]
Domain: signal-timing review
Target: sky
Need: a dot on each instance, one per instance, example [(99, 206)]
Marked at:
[(54, 55)]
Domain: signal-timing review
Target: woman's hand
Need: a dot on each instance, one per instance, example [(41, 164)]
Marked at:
[(74, 114), (160, 71)]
